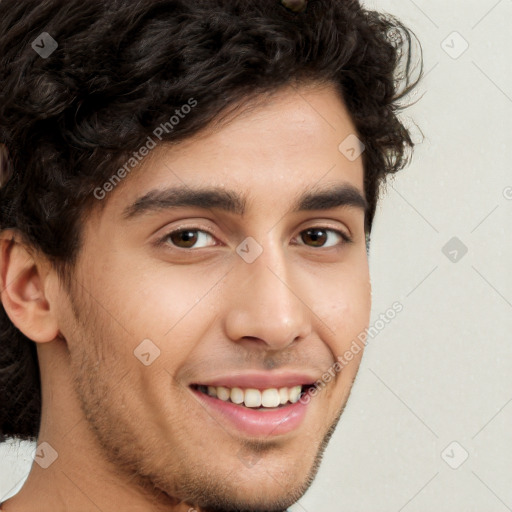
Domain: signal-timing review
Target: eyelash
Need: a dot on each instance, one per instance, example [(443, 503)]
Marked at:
[(163, 241)]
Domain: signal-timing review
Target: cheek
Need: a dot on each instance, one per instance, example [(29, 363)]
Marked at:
[(147, 302), (172, 310), (110, 372), (345, 307), (351, 320)]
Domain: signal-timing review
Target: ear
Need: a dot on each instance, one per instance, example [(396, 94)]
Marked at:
[(23, 277)]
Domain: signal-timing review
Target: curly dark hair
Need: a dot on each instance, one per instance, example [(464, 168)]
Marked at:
[(68, 120)]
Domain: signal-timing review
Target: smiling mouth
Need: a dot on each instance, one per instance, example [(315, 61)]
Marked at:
[(252, 398)]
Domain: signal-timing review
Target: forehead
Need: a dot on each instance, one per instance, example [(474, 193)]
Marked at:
[(279, 146)]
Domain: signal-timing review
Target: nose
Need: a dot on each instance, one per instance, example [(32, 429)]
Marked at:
[(266, 306)]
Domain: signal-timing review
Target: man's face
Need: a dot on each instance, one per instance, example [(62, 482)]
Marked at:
[(267, 312)]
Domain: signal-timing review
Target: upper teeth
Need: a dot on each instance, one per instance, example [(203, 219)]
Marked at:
[(271, 397)]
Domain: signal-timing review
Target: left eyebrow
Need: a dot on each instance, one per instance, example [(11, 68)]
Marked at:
[(342, 195)]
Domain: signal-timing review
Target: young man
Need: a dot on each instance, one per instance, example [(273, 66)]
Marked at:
[(188, 190)]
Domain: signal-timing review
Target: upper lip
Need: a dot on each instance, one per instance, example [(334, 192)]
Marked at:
[(260, 380)]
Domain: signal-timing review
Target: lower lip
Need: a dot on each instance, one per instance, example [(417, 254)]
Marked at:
[(256, 422)]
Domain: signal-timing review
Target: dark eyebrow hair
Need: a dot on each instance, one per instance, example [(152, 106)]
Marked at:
[(232, 202)]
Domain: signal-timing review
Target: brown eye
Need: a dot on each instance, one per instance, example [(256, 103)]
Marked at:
[(186, 238), (319, 236)]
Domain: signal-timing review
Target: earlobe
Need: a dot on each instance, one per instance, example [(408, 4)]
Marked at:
[(23, 291)]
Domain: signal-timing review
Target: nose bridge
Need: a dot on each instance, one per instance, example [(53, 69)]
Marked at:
[(268, 304)]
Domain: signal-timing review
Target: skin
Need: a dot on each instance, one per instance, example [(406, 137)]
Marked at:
[(134, 437)]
